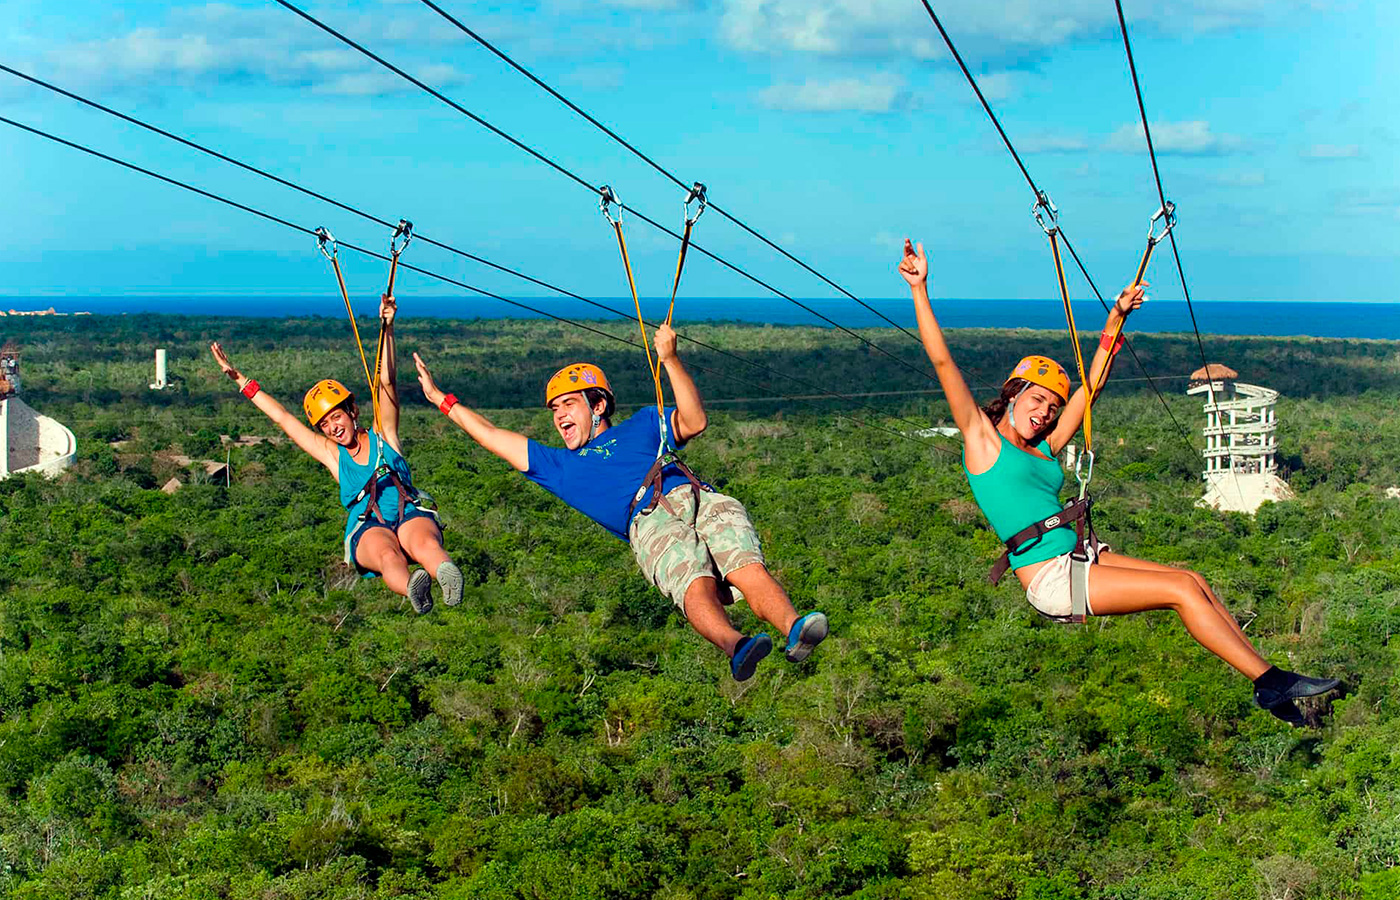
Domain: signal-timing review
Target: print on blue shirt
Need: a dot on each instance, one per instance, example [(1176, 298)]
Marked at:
[(600, 478)]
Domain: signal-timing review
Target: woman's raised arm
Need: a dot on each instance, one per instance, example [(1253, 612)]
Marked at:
[(317, 445)]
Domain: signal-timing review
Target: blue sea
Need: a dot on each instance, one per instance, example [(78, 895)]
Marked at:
[(1315, 318)]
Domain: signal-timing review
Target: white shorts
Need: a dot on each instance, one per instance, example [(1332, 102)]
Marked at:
[(1048, 591)]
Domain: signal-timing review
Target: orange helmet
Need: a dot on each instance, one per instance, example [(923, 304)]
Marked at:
[(324, 396), (577, 377), (1044, 371)]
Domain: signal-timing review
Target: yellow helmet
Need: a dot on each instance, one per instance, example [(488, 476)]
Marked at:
[(577, 377), (1044, 371), (324, 396)]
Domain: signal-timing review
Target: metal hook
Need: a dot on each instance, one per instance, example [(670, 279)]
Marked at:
[(1086, 477), (1168, 216), (324, 237), (607, 199), (405, 230), (1044, 209), (697, 194)]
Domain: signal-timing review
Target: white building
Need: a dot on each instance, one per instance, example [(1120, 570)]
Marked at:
[(1241, 464), (29, 442)]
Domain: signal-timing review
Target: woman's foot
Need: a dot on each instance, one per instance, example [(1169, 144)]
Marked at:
[(420, 591), (748, 654), (1277, 688), (450, 578), (804, 636)]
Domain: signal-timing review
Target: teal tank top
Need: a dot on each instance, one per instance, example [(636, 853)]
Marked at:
[(354, 476), (1018, 490)]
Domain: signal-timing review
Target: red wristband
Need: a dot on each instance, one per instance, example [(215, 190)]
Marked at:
[(251, 388), (1113, 347), (447, 403)]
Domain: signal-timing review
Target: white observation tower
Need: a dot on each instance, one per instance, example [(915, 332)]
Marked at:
[(1241, 464)]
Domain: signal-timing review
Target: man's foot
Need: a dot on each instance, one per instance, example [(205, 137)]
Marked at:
[(748, 654), (806, 633), (420, 591), (450, 577)]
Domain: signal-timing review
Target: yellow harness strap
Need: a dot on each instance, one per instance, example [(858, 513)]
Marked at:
[(324, 239)]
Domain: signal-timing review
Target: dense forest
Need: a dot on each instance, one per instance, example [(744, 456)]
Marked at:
[(198, 700)]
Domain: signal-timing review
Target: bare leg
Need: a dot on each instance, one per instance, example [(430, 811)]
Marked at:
[(1115, 590), (422, 541), (765, 596), (379, 551), (1129, 562), (706, 615)]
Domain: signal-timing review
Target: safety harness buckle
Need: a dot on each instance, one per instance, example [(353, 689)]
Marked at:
[(607, 199), (325, 240), (402, 230), (1047, 214), (696, 195), (1167, 215)]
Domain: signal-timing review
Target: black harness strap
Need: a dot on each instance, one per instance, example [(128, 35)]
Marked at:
[(1076, 513), (654, 480)]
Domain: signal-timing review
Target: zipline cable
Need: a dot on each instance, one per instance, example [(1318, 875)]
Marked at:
[(651, 162), (434, 275), (1161, 194), (350, 42), (1042, 199), (422, 237)]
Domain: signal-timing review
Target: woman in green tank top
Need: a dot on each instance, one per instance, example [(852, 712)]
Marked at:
[(1009, 449)]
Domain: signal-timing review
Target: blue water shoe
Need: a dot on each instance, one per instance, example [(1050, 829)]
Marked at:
[(807, 632), (748, 654)]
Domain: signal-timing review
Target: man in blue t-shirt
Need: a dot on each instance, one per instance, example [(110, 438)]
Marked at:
[(692, 542)]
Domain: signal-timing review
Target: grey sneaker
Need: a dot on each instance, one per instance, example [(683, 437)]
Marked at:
[(450, 578), (420, 591)]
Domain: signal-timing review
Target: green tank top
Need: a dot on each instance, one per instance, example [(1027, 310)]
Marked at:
[(1018, 490)]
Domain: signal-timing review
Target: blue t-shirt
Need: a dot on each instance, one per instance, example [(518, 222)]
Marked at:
[(600, 478)]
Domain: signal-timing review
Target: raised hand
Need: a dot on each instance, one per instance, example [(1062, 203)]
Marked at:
[(914, 266), (431, 391), (1130, 298), (221, 358), (665, 343), (388, 306)]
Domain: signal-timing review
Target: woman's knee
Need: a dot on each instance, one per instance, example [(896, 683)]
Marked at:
[(1190, 592)]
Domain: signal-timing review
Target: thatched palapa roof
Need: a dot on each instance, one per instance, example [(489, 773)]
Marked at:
[(1213, 372)]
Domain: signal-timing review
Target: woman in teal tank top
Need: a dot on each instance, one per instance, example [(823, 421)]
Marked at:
[(1009, 450), (388, 524)]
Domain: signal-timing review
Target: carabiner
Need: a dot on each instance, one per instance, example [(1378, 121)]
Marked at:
[(697, 194), (607, 198), (1086, 477), (1043, 208), (324, 237), (402, 230), (1168, 216)]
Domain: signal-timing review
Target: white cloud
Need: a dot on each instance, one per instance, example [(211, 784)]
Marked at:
[(1368, 202), (1190, 138), (875, 94), (980, 30), (216, 42), (1244, 178), (1331, 151)]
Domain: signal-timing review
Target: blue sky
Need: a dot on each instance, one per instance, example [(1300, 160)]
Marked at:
[(835, 127)]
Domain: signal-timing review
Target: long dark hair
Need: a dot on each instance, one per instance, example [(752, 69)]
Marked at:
[(1009, 392)]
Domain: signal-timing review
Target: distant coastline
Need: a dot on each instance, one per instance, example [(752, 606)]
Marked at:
[(1292, 318), (43, 312)]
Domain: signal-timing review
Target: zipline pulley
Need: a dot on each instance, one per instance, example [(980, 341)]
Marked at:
[(696, 195), (1167, 216), (1047, 215), (325, 239), (1083, 474), (402, 230), (607, 199)]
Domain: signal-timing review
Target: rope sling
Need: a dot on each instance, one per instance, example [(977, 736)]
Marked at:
[(666, 456)]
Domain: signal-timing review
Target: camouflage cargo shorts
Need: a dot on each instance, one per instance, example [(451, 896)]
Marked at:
[(672, 553)]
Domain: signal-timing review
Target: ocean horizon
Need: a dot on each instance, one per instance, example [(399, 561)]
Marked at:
[(1281, 318)]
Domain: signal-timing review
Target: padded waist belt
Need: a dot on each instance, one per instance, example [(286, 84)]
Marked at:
[(1075, 513)]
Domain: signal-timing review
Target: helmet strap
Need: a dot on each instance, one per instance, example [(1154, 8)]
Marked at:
[(1011, 407)]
